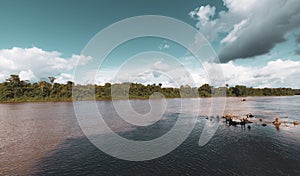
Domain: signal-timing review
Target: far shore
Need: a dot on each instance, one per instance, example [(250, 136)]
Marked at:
[(110, 99)]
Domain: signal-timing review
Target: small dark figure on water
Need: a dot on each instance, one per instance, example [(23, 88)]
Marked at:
[(231, 122), (228, 120), (250, 115), (243, 124)]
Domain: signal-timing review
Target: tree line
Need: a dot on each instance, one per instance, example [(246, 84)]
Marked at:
[(16, 90)]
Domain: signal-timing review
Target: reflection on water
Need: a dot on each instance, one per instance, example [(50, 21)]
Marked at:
[(45, 139), (28, 131)]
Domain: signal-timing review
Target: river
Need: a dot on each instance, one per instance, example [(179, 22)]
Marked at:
[(46, 139)]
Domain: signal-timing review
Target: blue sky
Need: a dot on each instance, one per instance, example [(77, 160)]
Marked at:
[(258, 42), (66, 26)]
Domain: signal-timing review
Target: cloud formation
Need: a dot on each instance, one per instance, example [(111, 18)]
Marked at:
[(164, 45), (168, 72), (278, 73), (34, 64), (203, 14), (249, 28)]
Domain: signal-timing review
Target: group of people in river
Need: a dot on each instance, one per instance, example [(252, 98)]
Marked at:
[(234, 120)]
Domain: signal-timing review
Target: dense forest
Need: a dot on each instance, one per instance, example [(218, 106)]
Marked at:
[(16, 90)]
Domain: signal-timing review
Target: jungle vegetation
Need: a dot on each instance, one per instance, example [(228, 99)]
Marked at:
[(16, 90)]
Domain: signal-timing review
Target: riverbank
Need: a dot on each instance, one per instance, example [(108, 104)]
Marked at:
[(242, 99), (131, 98)]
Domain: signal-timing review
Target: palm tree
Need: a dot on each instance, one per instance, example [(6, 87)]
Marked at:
[(52, 79)]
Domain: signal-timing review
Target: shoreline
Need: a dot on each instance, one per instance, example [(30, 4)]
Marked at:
[(136, 98)]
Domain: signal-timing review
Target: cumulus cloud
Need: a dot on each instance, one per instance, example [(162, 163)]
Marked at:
[(169, 72), (203, 14), (240, 6), (251, 28), (278, 73), (27, 75), (34, 63), (63, 77)]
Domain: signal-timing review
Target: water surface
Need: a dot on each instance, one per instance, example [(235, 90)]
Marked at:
[(45, 139)]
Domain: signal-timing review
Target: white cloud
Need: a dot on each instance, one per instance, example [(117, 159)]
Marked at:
[(62, 78), (203, 14), (160, 66), (278, 73), (168, 71), (240, 6), (164, 45), (34, 63), (27, 75), (268, 22)]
